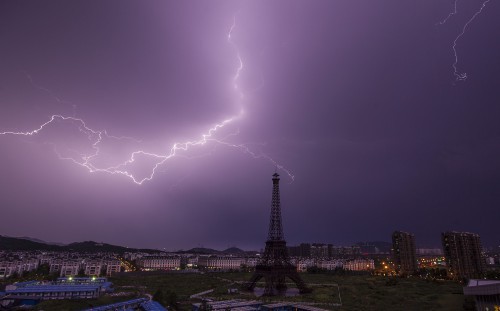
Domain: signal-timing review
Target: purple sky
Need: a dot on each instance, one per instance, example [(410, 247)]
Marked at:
[(356, 99)]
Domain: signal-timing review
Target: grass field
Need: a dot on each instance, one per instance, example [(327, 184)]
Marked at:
[(359, 292)]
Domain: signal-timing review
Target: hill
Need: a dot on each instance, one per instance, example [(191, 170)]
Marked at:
[(233, 250), (24, 244), (210, 251), (21, 244), (200, 250), (40, 241)]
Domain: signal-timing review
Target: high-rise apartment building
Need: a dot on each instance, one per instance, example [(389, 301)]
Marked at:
[(463, 253), (404, 252)]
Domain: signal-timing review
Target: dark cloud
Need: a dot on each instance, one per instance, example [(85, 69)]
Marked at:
[(356, 98)]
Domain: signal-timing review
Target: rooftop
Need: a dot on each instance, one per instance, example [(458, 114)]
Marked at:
[(478, 287), (53, 288), (141, 303)]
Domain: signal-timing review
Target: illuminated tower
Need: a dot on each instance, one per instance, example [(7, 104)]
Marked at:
[(275, 266)]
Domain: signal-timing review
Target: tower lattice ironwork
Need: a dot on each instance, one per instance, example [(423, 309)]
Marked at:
[(275, 266)]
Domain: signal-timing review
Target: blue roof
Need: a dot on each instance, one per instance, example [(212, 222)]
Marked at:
[(25, 283), (106, 284), (89, 278), (152, 306), (54, 288)]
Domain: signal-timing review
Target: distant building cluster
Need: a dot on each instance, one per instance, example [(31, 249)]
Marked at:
[(462, 256), (321, 250), (59, 263), (172, 261), (228, 262), (357, 264), (17, 263)]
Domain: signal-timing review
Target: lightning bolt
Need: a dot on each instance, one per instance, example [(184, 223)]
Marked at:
[(450, 14), (458, 75), (96, 137), (49, 92), (239, 69)]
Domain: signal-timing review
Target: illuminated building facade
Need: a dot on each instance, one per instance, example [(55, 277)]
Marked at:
[(359, 265), (149, 263), (220, 262), (69, 268)]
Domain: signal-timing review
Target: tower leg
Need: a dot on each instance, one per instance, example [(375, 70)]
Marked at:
[(255, 278)]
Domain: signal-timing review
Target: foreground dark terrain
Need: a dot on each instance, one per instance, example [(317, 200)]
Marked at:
[(334, 292)]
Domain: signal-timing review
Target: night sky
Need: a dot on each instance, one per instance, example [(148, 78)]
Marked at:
[(355, 101)]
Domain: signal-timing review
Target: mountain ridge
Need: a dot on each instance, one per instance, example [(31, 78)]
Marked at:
[(32, 244)]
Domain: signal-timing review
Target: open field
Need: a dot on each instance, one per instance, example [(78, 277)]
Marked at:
[(358, 292)]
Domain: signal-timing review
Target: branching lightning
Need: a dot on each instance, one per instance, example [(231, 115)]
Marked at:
[(450, 14), (238, 56), (461, 76), (96, 137)]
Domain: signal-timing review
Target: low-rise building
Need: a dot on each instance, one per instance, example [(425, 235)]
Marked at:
[(303, 264), (112, 266), (149, 263), (10, 267), (220, 262), (93, 267), (69, 268), (359, 265), (36, 291), (55, 265), (330, 264)]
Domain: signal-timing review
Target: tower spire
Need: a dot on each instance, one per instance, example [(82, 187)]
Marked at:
[(275, 225)]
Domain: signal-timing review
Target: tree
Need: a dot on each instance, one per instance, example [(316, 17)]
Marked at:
[(103, 271), (43, 269), (14, 275), (172, 299), (81, 272), (158, 296), (205, 306)]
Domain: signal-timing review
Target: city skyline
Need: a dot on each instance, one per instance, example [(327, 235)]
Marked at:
[(362, 108)]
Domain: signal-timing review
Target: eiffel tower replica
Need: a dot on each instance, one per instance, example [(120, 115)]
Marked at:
[(275, 264)]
